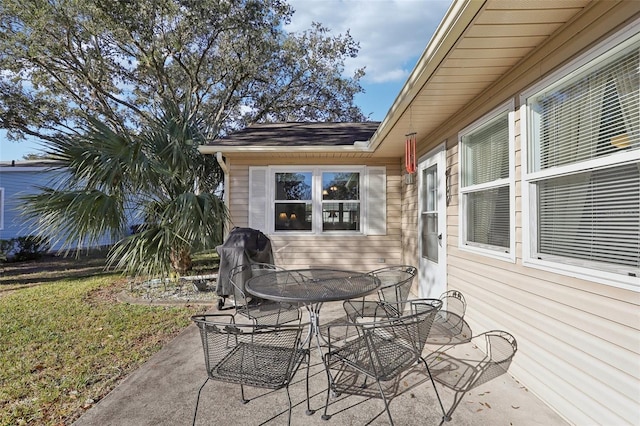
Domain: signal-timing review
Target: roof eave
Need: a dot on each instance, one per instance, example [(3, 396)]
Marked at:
[(460, 14), (358, 146)]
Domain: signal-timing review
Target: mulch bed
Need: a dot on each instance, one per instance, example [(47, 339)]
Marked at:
[(48, 268)]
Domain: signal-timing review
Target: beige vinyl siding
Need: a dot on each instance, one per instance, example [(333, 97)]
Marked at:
[(409, 225), (359, 252), (410, 217), (578, 341), (574, 338)]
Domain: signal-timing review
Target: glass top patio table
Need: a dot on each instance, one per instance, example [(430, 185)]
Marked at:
[(312, 286)]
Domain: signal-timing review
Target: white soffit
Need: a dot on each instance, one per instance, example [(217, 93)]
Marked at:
[(476, 43)]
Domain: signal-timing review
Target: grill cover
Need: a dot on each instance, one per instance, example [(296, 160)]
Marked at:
[(242, 246)]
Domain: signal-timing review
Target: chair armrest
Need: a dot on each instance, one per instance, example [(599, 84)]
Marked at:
[(501, 346), (360, 308)]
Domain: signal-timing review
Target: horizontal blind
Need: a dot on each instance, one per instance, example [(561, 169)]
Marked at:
[(592, 216), (488, 221), (595, 113), (486, 153)]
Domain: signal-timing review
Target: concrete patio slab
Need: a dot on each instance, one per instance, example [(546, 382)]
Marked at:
[(163, 392)]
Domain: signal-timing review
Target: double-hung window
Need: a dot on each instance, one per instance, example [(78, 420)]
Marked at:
[(293, 201), (582, 176), (341, 201), (318, 199), (486, 185)]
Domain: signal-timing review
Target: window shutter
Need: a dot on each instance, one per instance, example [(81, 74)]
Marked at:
[(376, 201), (258, 207)]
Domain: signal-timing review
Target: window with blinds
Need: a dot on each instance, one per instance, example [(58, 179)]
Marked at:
[(583, 165), (485, 185)]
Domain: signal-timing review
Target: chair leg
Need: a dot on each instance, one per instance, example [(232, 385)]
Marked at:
[(242, 398), (290, 406), (326, 416), (195, 412), (456, 401), (386, 404), (309, 410), (445, 416)]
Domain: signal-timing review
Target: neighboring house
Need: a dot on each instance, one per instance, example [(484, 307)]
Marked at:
[(526, 196), (20, 178)]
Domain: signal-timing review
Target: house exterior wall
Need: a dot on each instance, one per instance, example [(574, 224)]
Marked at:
[(359, 253), (410, 223), (17, 182), (578, 340), (20, 181)]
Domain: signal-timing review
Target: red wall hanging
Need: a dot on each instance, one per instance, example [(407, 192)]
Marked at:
[(410, 161)]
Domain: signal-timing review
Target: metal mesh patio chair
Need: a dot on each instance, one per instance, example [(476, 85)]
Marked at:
[(259, 311), (263, 356), (382, 350), (466, 366), (392, 294), (450, 327)]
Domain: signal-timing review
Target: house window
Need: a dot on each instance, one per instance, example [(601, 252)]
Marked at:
[(293, 201), (335, 194), (583, 168), (486, 185), (341, 201), (318, 200)]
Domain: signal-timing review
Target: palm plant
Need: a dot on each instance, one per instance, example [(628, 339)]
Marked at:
[(157, 178)]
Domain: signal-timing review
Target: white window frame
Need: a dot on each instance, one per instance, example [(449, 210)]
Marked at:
[(316, 197), (366, 225), (564, 266), (508, 108)]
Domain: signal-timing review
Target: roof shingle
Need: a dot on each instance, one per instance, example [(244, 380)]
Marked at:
[(300, 134)]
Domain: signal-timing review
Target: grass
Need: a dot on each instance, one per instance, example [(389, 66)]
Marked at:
[(65, 341)]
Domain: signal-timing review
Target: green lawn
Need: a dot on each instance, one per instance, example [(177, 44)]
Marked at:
[(65, 343)]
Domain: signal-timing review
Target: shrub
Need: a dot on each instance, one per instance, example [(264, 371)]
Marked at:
[(6, 249), (30, 247)]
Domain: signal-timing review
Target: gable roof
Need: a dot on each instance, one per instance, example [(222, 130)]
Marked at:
[(24, 165), (285, 136)]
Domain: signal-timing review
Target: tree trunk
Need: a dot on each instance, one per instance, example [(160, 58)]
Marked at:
[(181, 260)]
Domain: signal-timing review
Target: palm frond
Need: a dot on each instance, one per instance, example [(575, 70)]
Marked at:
[(157, 175), (75, 217)]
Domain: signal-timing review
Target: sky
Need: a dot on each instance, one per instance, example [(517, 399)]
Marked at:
[(392, 36)]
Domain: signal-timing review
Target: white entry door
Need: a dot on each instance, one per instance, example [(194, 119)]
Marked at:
[(432, 226)]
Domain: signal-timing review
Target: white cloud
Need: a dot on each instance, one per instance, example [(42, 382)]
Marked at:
[(392, 33)]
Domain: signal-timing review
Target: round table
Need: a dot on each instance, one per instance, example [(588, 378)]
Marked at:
[(312, 286)]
